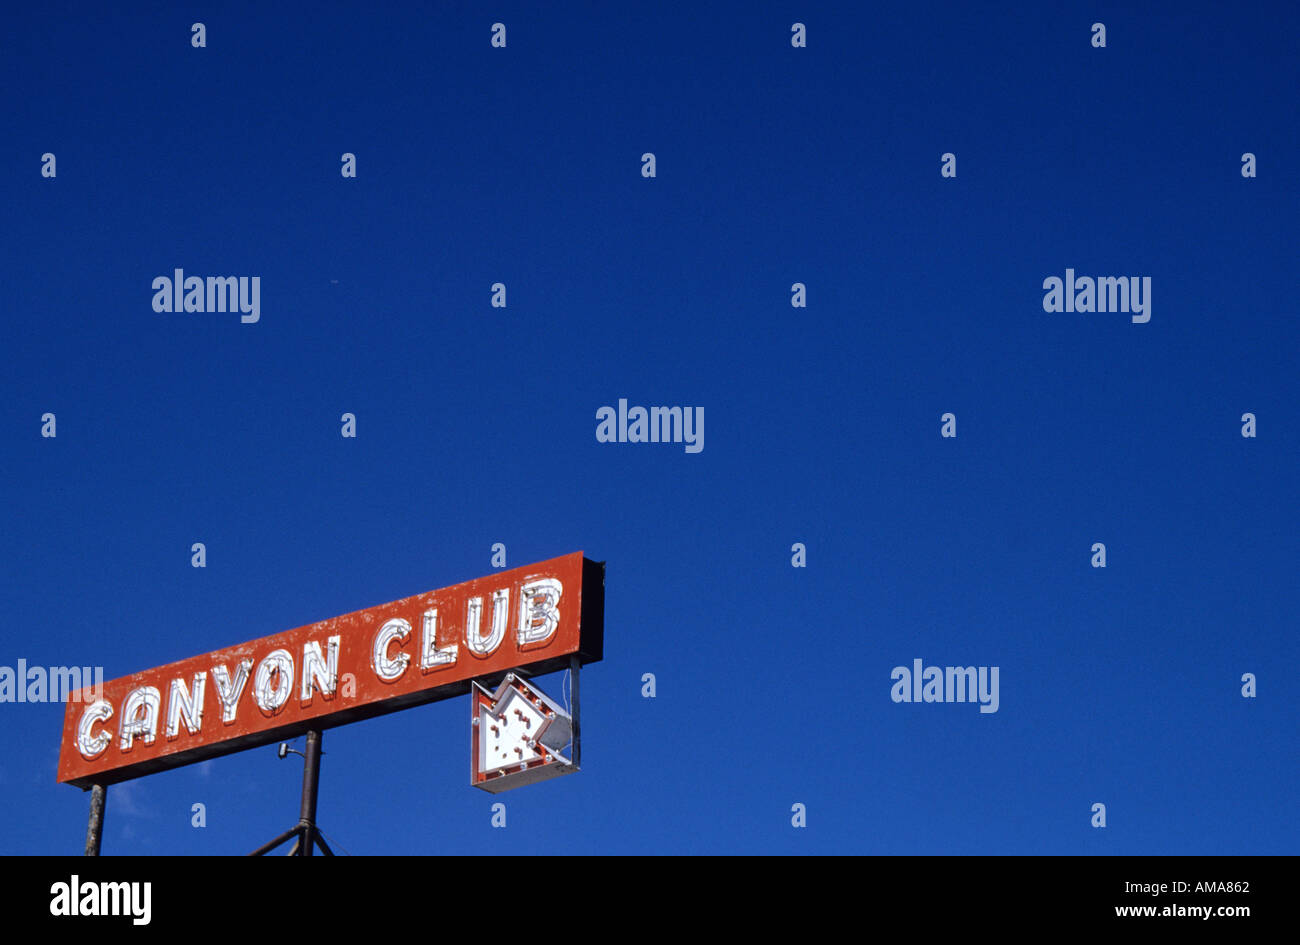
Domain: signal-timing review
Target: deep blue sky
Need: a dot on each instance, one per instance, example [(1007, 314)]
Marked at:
[(476, 425)]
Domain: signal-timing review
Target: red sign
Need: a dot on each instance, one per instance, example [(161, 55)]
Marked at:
[(367, 663)]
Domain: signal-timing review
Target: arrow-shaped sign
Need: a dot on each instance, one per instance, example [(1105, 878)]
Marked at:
[(519, 736)]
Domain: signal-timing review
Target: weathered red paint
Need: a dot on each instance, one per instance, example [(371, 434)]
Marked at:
[(579, 630)]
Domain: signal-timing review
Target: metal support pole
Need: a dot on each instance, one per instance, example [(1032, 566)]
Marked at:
[(308, 836), (310, 787), (575, 664), (95, 827), (295, 831)]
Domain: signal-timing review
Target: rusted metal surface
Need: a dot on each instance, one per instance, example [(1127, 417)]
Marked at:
[(95, 826)]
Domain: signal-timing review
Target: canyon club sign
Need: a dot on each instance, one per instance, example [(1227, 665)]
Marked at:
[(382, 659)]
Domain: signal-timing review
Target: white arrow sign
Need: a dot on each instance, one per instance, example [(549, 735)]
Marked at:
[(519, 736)]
